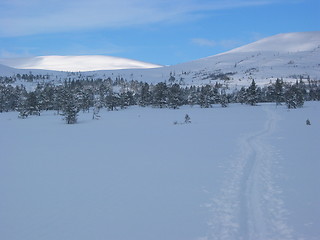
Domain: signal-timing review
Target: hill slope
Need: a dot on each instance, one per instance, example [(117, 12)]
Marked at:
[(285, 55), (289, 56), (286, 42)]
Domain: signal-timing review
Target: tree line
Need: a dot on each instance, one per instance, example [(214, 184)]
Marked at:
[(73, 96)]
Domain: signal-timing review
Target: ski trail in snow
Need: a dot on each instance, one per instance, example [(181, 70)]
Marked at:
[(249, 206)]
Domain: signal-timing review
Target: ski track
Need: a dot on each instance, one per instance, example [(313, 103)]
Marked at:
[(249, 206)]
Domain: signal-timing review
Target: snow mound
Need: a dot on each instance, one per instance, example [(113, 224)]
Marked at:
[(76, 63)]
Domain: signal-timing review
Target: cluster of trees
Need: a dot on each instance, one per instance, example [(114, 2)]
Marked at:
[(70, 98)]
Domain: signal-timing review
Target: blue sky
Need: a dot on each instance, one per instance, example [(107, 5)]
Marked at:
[(158, 31)]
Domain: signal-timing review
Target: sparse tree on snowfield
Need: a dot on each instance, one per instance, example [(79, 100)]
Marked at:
[(187, 119)]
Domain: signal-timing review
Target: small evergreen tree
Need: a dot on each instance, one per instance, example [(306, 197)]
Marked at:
[(192, 98), (22, 108), (308, 122), (145, 95), (112, 100), (252, 97), (160, 95), (242, 96), (223, 99), (294, 97), (205, 96), (174, 96), (96, 107), (187, 119), (278, 92), (70, 107), (32, 104)]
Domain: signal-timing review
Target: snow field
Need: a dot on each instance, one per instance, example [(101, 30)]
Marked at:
[(240, 172)]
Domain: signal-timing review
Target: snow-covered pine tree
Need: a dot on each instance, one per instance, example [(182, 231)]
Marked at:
[(174, 96), (32, 104), (192, 97), (70, 107), (97, 105), (22, 107), (85, 97), (223, 99), (112, 100), (145, 95), (241, 95), (160, 95), (205, 96), (252, 97), (278, 91), (294, 97)]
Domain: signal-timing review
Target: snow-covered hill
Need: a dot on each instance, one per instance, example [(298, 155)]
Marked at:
[(75, 63), (289, 56), (288, 42), (7, 71)]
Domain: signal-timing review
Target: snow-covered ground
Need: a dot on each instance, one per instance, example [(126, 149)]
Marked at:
[(234, 173)]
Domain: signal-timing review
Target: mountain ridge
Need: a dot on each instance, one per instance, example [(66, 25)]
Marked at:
[(286, 42), (290, 56)]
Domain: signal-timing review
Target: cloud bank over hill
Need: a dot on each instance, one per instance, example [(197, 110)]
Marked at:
[(76, 63)]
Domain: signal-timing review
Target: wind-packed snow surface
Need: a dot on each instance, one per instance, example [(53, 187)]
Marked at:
[(234, 173)]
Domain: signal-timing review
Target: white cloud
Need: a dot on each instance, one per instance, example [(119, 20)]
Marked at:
[(20, 17)]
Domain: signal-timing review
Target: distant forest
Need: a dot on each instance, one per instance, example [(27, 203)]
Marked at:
[(73, 96)]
